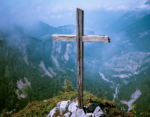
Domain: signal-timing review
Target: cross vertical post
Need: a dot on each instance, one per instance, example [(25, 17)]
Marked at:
[(80, 38), (79, 34)]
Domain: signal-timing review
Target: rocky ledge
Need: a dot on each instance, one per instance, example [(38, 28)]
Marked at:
[(70, 109)]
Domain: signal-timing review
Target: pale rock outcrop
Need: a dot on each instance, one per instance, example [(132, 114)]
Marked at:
[(98, 112), (78, 113), (89, 114), (67, 114), (76, 103), (68, 51), (74, 111), (63, 105), (52, 112), (21, 85), (72, 107), (42, 65), (134, 97)]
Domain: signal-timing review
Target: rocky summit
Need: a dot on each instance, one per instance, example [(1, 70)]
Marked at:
[(74, 111), (66, 105)]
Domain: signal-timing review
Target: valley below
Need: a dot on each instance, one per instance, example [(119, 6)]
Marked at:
[(33, 67)]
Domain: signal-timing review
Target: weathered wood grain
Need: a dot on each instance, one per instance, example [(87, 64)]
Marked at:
[(85, 38), (64, 37), (96, 38), (79, 33)]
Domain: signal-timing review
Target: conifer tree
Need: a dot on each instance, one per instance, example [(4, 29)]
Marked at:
[(67, 86)]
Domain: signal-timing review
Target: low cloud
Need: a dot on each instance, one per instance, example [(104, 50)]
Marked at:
[(26, 12), (53, 16), (59, 16), (148, 2), (130, 6), (70, 14)]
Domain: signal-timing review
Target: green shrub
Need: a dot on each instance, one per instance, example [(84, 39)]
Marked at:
[(67, 86)]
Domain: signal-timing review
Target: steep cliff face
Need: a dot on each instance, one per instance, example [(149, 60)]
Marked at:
[(33, 66), (29, 68)]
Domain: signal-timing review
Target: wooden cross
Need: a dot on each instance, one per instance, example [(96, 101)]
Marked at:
[(80, 38)]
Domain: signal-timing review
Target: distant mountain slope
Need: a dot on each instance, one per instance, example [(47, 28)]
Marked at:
[(139, 26), (139, 31), (29, 67), (25, 76), (124, 63), (32, 65), (128, 19)]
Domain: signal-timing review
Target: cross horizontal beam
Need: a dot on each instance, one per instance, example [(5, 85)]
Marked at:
[(86, 38)]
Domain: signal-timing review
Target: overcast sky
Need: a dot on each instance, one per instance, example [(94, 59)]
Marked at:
[(50, 10)]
